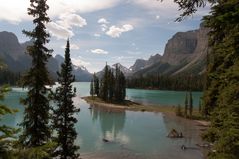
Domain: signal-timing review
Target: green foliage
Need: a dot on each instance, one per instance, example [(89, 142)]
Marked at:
[(113, 87), (63, 116), (7, 134), (221, 95), (92, 91), (38, 152), (96, 85), (222, 92), (11, 78), (36, 129), (186, 106), (164, 82), (190, 104)]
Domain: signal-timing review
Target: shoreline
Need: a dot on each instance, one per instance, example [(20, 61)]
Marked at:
[(136, 107), (168, 111), (128, 105)]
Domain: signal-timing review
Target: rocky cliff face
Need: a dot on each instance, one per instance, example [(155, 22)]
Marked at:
[(185, 52), (138, 65), (141, 64)]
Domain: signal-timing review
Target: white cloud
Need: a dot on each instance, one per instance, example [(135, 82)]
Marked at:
[(167, 10), (121, 58), (99, 51), (62, 28), (116, 32), (97, 35), (59, 31), (15, 11), (104, 27), (103, 21), (80, 62), (70, 19), (72, 47)]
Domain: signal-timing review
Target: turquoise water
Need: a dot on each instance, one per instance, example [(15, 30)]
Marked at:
[(158, 97), (131, 134)]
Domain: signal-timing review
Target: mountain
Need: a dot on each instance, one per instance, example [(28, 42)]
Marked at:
[(126, 71), (13, 54), (185, 53), (122, 68), (141, 63), (80, 72)]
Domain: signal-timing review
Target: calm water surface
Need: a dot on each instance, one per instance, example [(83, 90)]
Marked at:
[(131, 134)]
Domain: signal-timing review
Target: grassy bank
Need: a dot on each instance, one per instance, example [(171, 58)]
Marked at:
[(133, 106), (129, 105)]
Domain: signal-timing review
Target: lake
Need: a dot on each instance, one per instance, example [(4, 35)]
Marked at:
[(131, 134)]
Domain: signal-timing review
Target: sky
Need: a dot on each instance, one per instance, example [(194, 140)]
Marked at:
[(103, 31)]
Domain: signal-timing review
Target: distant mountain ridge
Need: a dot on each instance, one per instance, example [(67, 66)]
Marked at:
[(185, 53), (12, 53), (126, 71)]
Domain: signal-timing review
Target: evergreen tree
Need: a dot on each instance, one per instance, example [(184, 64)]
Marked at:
[(113, 88), (111, 85), (117, 84), (222, 91), (92, 88), (190, 104), (105, 86), (64, 119), (186, 106), (96, 84), (36, 129), (122, 84)]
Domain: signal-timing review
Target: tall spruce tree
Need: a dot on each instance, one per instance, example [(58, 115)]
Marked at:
[(190, 104), (92, 92), (186, 106), (36, 129), (63, 117), (111, 85), (105, 84), (96, 84), (117, 84), (122, 83)]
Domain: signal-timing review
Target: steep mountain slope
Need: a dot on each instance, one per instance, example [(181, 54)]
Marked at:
[(185, 53), (141, 63), (13, 54)]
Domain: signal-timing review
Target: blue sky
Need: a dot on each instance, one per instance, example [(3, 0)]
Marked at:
[(103, 31)]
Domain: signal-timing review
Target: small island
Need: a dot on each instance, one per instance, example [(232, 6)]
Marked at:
[(127, 105)]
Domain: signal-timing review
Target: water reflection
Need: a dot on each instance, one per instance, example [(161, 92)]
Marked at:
[(111, 121)]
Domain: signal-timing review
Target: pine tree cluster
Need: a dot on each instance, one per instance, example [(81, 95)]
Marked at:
[(112, 86)]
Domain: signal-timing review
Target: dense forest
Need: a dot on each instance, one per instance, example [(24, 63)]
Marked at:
[(8, 77), (177, 82)]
